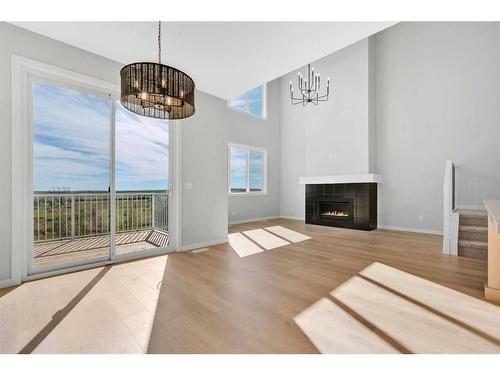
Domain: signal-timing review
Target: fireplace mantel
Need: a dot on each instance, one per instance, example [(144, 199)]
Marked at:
[(341, 179)]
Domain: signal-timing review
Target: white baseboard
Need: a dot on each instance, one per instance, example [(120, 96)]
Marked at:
[(292, 217), (203, 244), (8, 282), (251, 220), (414, 230)]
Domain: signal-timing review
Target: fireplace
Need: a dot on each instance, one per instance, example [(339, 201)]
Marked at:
[(336, 209), (351, 205)]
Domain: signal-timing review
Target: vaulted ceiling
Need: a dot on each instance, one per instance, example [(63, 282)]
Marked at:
[(224, 58)]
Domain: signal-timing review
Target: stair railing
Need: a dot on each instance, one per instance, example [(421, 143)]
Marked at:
[(450, 216)]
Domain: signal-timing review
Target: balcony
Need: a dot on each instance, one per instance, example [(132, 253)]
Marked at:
[(74, 228)]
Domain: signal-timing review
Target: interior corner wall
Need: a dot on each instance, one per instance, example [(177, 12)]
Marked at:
[(204, 206), (372, 133), (437, 88), (204, 170), (332, 137), (265, 133)]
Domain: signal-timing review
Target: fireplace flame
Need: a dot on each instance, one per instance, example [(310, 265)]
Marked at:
[(335, 213)]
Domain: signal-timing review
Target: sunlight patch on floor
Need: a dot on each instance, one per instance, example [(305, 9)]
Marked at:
[(101, 310), (287, 234), (332, 330), (265, 239), (406, 312), (242, 245), (201, 250), (438, 297)]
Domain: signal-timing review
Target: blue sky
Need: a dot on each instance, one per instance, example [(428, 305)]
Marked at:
[(239, 168), (72, 143), (251, 101), (254, 98)]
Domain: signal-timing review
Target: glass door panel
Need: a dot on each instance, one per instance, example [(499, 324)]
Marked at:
[(71, 177), (142, 181)]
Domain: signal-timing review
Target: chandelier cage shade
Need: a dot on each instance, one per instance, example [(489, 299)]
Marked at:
[(309, 88), (156, 90)]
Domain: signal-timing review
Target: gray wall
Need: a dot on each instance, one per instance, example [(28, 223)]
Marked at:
[(247, 129), (206, 205), (331, 138), (404, 101), (204, 146), (17, 41), (204, 165), (437, 92)]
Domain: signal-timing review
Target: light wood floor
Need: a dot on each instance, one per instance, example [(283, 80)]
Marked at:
[(316, 289), (216, 301)]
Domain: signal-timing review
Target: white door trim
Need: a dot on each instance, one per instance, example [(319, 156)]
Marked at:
[(23, 70)]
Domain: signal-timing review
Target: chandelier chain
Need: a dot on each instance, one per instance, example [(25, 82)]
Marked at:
[(155, 90), (159, 42)]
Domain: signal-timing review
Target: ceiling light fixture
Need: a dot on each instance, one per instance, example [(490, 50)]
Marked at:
[(157, 90), (309, 88)]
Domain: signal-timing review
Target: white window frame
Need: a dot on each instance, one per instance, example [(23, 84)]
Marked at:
[(264, 170), (247, 110)]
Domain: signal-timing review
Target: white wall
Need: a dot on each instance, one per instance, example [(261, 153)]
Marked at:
[(204, 146), (437, 92), (204, 166), (404, 101), (331, 138), (17, 41), (432, 95), (265, 133)]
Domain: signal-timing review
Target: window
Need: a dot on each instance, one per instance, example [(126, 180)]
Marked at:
[(247, 169), (252, 102)]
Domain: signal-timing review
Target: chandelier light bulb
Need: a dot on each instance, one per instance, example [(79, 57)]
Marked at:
[(147, 87), (308, 88)]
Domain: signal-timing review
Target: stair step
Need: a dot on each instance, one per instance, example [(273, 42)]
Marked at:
[(478, 244), (472, 213), (473, 228), (473, 233), (473, 220), (473, 249)]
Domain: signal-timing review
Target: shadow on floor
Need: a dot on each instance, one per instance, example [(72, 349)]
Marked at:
[(61, 314)]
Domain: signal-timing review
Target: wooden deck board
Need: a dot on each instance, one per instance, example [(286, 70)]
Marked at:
[(67, 251)]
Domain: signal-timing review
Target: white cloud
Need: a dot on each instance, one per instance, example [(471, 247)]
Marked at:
[(72, 143)]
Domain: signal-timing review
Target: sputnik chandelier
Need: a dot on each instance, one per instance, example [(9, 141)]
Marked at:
[(309, 88)]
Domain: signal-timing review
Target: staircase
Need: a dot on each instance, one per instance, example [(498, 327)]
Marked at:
[(473, 234)]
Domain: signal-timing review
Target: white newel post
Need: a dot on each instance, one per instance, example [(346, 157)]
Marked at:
[(450, 218)]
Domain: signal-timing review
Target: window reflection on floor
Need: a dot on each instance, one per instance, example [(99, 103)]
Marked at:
[(100, 310), (383, 309), (258, 240)]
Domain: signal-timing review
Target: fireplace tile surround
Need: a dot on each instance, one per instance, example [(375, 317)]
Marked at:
[(345, 205)]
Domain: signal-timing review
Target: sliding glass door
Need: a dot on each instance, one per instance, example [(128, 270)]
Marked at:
[(142, 181), (71, 177), (100, 179)]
